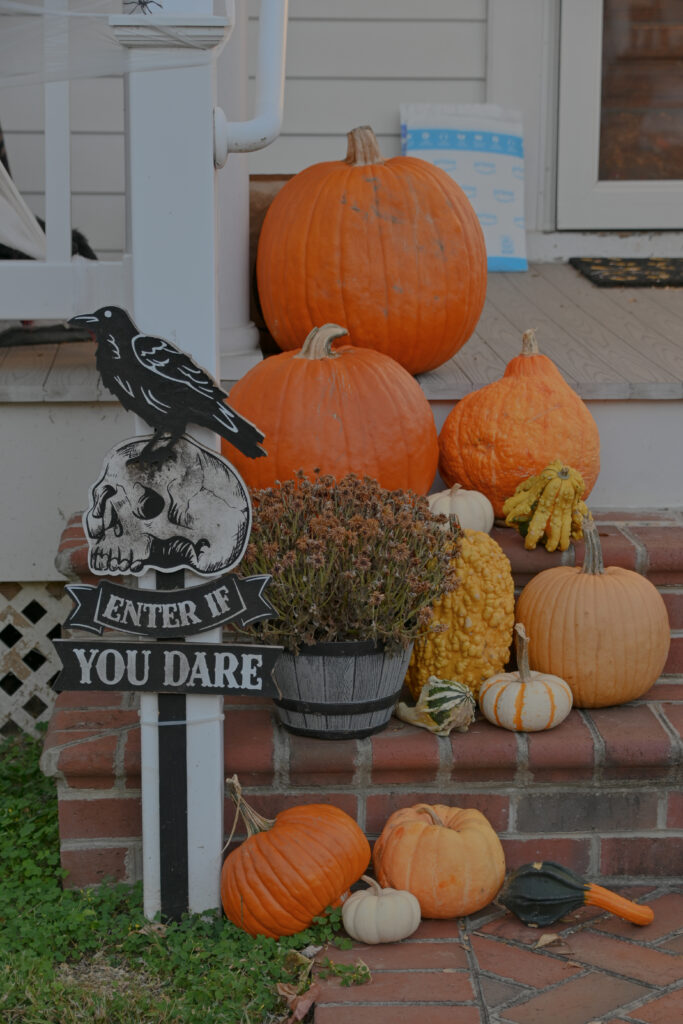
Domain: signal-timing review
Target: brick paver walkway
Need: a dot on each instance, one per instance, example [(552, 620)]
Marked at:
[(492, 969)]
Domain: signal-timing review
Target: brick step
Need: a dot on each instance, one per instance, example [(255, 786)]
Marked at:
[(593, 794), (490, 967)]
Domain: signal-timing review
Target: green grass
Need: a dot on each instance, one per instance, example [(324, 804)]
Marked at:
[(80, 956)]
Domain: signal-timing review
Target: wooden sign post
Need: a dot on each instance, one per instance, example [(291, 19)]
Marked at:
[(166, 505)]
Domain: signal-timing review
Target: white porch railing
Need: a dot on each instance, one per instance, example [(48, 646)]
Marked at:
[(184, 225), (174, 284)]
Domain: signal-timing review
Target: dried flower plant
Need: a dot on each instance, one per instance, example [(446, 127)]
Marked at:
[(349, 561)]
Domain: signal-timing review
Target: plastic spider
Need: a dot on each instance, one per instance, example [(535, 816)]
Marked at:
[(143, 5)]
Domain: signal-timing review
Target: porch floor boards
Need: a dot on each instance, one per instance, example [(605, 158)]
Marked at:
[(609, 343)]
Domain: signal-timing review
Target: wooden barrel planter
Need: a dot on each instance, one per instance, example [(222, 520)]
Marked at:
[(341, 690)]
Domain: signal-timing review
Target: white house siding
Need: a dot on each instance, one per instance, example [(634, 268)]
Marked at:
[(352, 62), (349, 62)]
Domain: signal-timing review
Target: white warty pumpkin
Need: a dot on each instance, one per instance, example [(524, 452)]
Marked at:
[(472, 508)]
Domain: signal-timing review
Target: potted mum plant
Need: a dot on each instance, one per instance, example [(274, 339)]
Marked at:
[(355, 570)]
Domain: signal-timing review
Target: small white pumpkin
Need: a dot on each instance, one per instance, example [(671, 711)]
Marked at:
[(473, 509), (525, 701), (377, 915)]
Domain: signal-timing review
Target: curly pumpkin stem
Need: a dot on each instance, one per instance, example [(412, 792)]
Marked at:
[(529, 343), (592, 560), (522, 652), (254, 821), (362, 147), (374, 884), (318, 343), (432, 814)]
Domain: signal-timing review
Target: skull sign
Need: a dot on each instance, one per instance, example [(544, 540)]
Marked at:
[(191, 512)]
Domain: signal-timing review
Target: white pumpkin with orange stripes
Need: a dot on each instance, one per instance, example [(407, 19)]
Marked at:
[(525, 701)]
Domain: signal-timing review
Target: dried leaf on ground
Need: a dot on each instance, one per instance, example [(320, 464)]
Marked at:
[(298, 1003)]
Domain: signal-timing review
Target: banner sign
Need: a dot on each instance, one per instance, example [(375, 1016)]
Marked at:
[(164, 667), (168, 613)]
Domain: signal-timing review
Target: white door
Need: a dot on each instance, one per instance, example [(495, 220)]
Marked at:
[(620, 144)]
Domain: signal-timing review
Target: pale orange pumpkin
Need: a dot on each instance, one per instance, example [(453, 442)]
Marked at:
[(604, 630), (503, 433), (392, 250), (450, 858), (337, 410)]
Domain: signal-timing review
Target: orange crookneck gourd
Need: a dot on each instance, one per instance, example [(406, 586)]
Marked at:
[(508, 431)]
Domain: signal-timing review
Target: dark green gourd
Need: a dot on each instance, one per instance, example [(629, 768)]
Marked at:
[(543, 892)]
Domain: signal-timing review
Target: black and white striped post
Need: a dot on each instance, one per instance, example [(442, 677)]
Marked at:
[(182, 682)]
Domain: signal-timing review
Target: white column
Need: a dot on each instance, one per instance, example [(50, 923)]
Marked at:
[(239, 347), (173, 247)]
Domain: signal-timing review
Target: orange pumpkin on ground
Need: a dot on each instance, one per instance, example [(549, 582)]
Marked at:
[(392, 250), (510, 430), (603, 630), (338, 410), (288, 870), (449, 858)]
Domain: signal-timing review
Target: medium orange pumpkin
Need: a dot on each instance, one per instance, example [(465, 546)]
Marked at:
[(503, 433), (342, 410), (288, 870), (603, 630), (450, 858), (392, 250)]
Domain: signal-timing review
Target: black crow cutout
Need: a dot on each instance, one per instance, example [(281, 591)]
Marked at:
[(162, 385)]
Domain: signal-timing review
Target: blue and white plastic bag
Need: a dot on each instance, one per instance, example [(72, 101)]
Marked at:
[(481, 146)]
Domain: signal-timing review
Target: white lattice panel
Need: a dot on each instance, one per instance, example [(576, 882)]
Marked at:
[(30, 615)]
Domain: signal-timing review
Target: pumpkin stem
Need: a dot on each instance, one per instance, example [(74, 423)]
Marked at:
[(254, 821), (362, 147), (318, 344), (432, 814), (592, 560), (529, 343), (373, 883), (522, 652)]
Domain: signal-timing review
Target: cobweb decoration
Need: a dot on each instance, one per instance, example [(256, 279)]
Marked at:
[(41, 44), (141, 5)]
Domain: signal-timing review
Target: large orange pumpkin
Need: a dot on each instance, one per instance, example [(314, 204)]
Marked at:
[(604, 630), (290, 869), (342, 410), (450, 858), (392, 250), (512, 429)]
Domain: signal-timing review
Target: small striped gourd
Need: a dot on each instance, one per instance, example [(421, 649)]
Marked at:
[(443, 705), (525, 701)]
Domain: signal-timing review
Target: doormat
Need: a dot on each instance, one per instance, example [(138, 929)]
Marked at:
[(638, 273), (49, 334)]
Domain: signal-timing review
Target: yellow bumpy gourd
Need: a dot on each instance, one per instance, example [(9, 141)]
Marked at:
[(478, 615)]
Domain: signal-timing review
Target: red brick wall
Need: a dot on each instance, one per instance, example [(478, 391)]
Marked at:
[(600, 793)]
